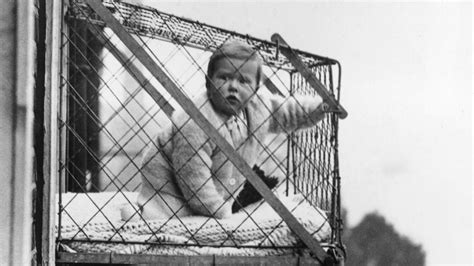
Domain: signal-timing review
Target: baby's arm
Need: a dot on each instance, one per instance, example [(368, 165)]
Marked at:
[(295, 112), (192, 162)]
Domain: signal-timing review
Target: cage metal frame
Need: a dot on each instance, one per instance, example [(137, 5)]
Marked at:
[(268, 51)]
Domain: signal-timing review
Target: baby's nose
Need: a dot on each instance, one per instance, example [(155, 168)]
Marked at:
[(233, 85)]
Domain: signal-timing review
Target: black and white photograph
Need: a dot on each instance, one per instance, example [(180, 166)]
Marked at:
[(142, 132)]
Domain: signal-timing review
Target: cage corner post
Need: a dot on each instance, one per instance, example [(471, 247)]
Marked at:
[(52, 62)]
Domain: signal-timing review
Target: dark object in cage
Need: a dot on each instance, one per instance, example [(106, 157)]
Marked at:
[(249, 194), (111, 109)]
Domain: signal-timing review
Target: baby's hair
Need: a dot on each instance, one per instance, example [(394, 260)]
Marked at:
[(237, 50)]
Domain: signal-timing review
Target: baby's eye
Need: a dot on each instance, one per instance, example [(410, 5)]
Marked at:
[(223, 77), (244, 80)]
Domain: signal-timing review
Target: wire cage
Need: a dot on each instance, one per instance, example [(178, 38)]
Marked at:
[(111, 108)]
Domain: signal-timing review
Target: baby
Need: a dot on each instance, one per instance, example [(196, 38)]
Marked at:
[(184, 173)]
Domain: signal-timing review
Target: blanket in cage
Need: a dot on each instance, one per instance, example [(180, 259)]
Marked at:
[(91, 223)]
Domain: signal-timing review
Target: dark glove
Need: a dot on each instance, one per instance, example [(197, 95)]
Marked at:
[(249, 194)]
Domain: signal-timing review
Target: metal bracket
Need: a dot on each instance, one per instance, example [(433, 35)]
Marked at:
[(335, 258), (300, 66)]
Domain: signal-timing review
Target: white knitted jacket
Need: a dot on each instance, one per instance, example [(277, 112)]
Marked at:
[(185, 173)]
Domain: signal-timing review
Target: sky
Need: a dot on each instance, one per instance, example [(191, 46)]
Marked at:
[(406, 146)]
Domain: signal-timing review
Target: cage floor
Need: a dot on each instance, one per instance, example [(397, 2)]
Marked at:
[(91, 223), (64, 258)]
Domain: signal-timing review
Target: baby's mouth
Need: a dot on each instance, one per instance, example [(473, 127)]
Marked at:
[(232, 100)]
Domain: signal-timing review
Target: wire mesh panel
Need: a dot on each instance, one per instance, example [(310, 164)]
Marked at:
[(119, 124), (313, 153)]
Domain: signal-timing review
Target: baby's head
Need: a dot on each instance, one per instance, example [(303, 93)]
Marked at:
[(233, 76)]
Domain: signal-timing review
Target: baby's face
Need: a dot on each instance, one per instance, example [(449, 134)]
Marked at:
[(233, 84)]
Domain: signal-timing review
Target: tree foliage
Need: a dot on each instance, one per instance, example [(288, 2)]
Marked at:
[(375, 242)]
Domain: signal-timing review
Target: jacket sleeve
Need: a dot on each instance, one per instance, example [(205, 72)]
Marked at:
[(192, 163), (293, 113)]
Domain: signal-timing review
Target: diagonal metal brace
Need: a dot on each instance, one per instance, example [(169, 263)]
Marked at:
[(132, 70), (205, 125), (300, 66)]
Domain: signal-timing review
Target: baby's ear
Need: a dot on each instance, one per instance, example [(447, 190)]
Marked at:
[(208, 82)]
